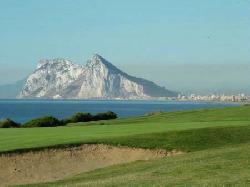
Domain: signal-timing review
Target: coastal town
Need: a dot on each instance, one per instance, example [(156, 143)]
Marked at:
[(214, 97)]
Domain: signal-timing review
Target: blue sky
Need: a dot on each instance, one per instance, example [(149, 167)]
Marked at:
[(156, 39)]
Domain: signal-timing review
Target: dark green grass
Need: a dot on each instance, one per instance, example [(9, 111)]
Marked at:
[(185, 140)]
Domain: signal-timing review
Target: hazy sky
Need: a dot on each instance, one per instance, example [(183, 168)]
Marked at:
[(184, 45)]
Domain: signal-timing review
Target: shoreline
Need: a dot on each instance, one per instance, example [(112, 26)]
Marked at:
[(129, 100)]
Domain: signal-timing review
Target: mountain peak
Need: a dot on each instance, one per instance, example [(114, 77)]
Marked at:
[(96, 56), (98, 60), (51, 62)]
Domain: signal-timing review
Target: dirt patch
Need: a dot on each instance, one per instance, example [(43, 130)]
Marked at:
[(53, 164)]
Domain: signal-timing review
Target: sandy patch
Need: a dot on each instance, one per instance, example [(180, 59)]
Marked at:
[(53, 164)]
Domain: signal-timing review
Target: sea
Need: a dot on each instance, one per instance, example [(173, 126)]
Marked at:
[(24, 110)]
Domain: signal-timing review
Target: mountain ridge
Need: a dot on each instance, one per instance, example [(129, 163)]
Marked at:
[(97, 79)]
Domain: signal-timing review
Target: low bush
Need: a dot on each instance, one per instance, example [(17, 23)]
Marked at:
[(78, 117), (105, 116), (8, 123), (85, 117), (48, 121)]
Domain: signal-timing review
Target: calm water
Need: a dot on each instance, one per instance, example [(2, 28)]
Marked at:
[(24, 110)]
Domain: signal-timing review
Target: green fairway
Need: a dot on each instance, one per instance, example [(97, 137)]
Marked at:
[(25, 138)]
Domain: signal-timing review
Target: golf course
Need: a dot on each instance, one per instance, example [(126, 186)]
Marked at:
[(207, 147)]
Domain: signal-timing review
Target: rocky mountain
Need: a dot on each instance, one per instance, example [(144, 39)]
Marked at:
[(98, 79)]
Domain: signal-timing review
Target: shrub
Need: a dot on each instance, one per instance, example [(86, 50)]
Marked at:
[(8, 123), (105, 116), (48, 121), (81, 117), (65, 121), (78, 117)]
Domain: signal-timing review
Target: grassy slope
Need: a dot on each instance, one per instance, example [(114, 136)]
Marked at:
[(224, 114), (18, 139), (228, 166), (218, 155), (186, 140)]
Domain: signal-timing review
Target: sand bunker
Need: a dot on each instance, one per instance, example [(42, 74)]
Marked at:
[(54, 164)]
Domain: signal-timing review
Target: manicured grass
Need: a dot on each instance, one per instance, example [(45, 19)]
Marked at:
[(21, 139), (227, 166)]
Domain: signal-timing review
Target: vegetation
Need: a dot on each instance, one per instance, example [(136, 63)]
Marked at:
[(86, 117), (216, 143), (105, 116), (230, 114), (115, 131), (8, 123), (50, 121), (78, 117)]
